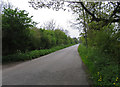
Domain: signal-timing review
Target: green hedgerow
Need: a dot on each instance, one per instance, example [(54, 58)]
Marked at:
[(31, 55), (103, 70)]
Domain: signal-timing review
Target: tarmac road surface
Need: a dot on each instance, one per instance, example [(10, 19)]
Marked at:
[(63, 67)]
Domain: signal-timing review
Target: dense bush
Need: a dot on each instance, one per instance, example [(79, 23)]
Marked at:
[(45, 39), (31, 55), (105, 39), (102, 56), (103, 70), (15, 32), (21, 36)]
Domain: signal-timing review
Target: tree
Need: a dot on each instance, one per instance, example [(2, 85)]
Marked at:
[(15, 30), (35, 39), (75, 40), (50, 25), (94, 9), (103, 13)]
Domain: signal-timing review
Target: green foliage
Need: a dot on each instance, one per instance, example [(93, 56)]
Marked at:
[(105, 40), (15, 32), (75, 40), (21, 36), (31, 55), (102, 55), (60, 36), (35, 39), (103, 70)]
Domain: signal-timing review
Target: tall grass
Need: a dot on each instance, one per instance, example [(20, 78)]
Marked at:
[(31, 55), (103, 70)]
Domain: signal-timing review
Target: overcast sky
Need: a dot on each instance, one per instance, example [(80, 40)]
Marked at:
[(61, 17)]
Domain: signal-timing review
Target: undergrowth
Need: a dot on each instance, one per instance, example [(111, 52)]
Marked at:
[(102, 67), (31, 55)]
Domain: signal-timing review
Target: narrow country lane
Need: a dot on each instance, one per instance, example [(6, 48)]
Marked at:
[(63, 67)]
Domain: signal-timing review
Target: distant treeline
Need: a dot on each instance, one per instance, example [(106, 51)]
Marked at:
[(19, 34)]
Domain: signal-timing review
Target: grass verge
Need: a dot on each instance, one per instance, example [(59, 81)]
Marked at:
[(104, 72), (31, 55)]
